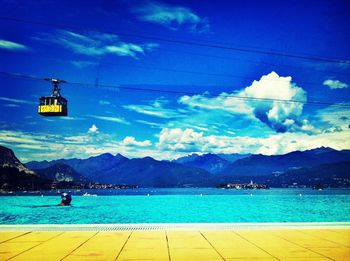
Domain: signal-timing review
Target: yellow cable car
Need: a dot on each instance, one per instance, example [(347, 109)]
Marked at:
[(54, 105)]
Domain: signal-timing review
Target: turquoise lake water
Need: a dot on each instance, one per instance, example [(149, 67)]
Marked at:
[(180, 206)]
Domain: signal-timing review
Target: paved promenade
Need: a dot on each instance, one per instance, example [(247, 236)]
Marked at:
[(271, 244)]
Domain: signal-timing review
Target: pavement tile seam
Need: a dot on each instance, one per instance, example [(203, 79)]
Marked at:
[(126, 241), (307, 240), (80, 245), (21, 235), (339, 253), (318, 237), (167, 244), (35, 245), (254, 244), (303, 247), (212, 246)]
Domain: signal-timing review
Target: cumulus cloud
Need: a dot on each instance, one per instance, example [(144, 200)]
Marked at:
[(172, 143), (93, 129), (279, 115), (172, 17), (180, 140), (265, 99), (190, 141), (96, 44), (131, 141), (12, 46), (335, 84), (36, 146)]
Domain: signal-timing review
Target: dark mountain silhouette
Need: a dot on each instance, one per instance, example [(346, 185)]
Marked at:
[(148, 172), (118, 169), (8, 159), (60, 172), (15, 176), (327, 175), (329, 154), (196, 170), (209, 162), (262, 165), (186, 159), (87, 167), (233, 157)]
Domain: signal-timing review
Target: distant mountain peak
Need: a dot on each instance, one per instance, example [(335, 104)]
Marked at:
[(103, 156), (210, 155), (120, 156), (148, 158), (8, 159), (187, 158), (60, 172), (209, 162), (320, 150)]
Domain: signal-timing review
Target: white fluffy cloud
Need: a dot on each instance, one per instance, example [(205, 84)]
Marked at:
[(38, 146), (279, 115), (131, 141), (172, 17), (93, 129), (335, 84), (190, 141), (180, 140), (172, 143), (266, 102)]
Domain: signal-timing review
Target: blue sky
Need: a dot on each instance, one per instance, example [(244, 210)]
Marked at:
[(111, 46)]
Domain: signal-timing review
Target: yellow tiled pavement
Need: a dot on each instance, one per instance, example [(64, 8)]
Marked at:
[(10, 235), (55, 248), (103, 246), (299, 244)]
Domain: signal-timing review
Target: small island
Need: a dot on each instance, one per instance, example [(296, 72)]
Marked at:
[(250, 185)]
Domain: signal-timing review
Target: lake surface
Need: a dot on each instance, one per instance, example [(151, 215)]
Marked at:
[(189, 205)]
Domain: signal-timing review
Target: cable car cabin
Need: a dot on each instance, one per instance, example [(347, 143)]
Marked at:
[(53, 106)]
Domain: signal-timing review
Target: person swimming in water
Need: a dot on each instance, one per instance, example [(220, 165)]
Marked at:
[(66, 199)]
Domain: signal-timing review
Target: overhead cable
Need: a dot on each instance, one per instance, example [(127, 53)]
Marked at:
[(186, 42), (222, 95)]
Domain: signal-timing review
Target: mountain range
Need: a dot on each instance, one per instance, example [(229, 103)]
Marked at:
[(300, 168), (209, 162), (145, 172), (263, 165)]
